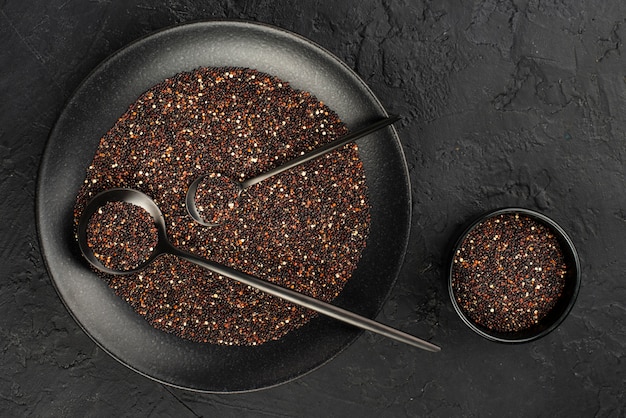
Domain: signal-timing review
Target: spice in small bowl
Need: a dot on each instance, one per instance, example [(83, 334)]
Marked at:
[(514, 275)]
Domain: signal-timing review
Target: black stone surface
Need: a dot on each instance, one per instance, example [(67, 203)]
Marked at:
[(508, 103)]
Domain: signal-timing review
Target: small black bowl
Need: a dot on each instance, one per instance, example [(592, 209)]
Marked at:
[(562, 307)]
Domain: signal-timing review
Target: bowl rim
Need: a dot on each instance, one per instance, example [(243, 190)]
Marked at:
[(572, 255)]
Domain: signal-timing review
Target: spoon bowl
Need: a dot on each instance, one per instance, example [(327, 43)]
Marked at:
[(224, 194), (134, 197), (164, 246)]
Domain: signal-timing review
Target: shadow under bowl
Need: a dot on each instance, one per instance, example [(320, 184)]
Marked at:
[(564, 303)]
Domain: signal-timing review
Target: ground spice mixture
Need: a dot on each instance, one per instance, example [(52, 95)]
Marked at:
[(304, 229), (508, 272)]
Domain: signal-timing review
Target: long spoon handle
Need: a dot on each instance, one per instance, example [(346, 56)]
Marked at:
[(309, 302), (324, 149)]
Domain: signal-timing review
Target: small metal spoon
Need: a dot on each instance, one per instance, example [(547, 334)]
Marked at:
[(238, 187), (165, 246)]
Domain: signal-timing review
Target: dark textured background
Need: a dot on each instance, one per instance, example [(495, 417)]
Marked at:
[(505, 103)]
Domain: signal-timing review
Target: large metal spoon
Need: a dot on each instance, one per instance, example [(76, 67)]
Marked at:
[(165, 246), (226, 191)]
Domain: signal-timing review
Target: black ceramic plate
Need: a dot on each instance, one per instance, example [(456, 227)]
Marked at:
[(95, 107)]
